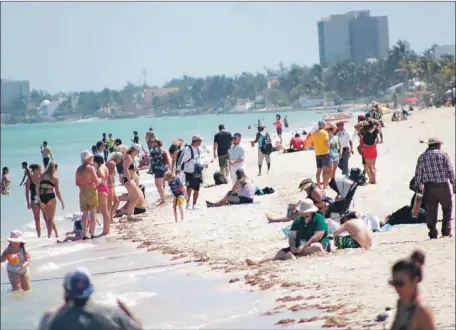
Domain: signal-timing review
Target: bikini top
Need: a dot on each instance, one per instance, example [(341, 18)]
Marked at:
[(46, 182), (404, 315)]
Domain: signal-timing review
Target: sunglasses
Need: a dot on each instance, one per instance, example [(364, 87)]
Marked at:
[(396, 283)]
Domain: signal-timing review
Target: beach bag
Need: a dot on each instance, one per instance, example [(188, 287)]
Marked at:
[(266, 145), (219, 178)]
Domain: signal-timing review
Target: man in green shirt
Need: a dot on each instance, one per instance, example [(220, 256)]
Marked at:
[(309, 234)]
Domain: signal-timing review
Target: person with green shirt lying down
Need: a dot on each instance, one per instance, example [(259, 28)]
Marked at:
[(308, 235)]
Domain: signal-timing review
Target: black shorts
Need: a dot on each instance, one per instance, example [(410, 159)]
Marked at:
[(45, 161), (192, 182), (234, 199), (173, 148), (279, 131), (326, 247), (323, 161), (159, 173), (119, 167), (139, 210)]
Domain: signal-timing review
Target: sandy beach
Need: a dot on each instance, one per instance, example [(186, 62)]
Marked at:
[(349, 287)]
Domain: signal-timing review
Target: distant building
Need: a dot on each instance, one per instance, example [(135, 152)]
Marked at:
[(355, 36), (150, 93), (13, 90), (440, 51)]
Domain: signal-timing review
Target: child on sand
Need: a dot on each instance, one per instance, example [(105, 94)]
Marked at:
[(177, 188), (77, 228)]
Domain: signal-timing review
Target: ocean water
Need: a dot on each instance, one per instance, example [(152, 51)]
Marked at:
[(164, 290)]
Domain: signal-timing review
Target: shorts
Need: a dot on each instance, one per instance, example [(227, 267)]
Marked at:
[(223, 160), (159, 173), (139, 210), (326, 247), (180, 200), (119, 167), (323, 161), (369, 152), (236, 199), (279, 131), (346, 242), (192, 182), (334, 159), (88, 199), (262, 157), (45, 161)]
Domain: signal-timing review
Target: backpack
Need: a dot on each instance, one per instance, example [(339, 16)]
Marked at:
[(198, 170), (358, 176), (219, 178), (266, 144), (179, 154)]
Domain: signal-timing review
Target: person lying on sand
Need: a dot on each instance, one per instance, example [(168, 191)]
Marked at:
[(242, 192), (308, 235), (359, 235)]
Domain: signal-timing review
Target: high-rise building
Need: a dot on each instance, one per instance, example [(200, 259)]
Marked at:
[(13, 90), (355, 36)]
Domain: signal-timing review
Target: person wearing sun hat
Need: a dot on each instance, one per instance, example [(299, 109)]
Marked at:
[(308, 235), (18, 261), (316, 194), (433, 174), (79, 311)]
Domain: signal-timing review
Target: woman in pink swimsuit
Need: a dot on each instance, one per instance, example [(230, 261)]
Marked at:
[(103, 192)]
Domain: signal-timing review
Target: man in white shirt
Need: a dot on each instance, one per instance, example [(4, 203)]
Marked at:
[(347, 146), (237, 156), (190, 163)]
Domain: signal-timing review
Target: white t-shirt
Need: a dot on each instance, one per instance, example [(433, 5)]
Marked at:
[(237, 152), (188, 161), (344, 138)]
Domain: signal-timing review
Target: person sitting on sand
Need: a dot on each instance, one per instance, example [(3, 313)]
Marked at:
[(317, 195), (412, 312), (308, 235), (296, 144), (242, 192), (177, 189), (77, 228), (359, 235)]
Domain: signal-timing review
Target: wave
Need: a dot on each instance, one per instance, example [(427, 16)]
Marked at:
[(129, 298)]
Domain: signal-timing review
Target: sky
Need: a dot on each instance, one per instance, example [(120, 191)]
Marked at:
[(89, 46)]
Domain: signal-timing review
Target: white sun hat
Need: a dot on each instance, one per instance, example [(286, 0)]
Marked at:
[(16, 236)]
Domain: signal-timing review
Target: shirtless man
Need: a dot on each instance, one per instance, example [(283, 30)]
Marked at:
[(150, 135), (46, 154), (360, 236), (87, 181)]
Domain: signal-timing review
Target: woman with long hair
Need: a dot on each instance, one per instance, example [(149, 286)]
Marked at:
[(159, 165), (369, 131), (131, 180), (18, 262), (113, 201), (48, 189), (32, 198), (412, 313), (103, 192)]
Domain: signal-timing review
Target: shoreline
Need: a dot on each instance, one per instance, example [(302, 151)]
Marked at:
[(334, 284)]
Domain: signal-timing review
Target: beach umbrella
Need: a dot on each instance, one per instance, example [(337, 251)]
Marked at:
[(411, 99)]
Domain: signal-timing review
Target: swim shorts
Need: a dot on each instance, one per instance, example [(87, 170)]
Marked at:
[(323, 161), (180, 200), (346, 242), (88, 199), (223, 160)]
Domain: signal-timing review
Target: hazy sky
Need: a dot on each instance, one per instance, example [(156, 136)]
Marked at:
[(83, 46)]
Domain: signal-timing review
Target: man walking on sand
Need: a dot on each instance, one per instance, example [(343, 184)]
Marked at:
[(190, 163), (237, 156), (320, 142), (222, 143), (87, 181), (433, 172), (347, 146), (264, 147)]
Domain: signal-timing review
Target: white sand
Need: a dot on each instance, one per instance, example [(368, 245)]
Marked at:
[(350, 286)]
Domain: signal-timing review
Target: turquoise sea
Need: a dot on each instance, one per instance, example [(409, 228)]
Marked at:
[(143, 290)]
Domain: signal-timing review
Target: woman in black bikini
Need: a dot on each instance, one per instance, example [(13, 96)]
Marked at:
[(131, 180), (412, 312), (48, 188), (31, 197)]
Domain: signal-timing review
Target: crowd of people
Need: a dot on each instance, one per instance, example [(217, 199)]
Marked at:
[(316, 219)]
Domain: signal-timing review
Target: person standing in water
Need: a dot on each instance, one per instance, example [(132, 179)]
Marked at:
[(87, 181), (31, 196), (18, 262), (6, 182), (135, 137), (48, 188), (46, 154), (285, 121), (222, 144), (278, 126), (103, 192), (150, 136), (26, 173)]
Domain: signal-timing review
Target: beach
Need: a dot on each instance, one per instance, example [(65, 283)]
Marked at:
[(348, 287)]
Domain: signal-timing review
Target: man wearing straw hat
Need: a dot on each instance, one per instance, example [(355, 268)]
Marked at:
[(433, 172), (308, 235)]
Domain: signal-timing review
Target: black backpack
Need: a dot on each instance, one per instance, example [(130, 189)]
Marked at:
[(219, 178), (266, 145), (179, 154), (358, 176)]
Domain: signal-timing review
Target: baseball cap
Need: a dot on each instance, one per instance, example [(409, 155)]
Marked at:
[(321, 122), (85, 154), (197, 137), (78, 284)]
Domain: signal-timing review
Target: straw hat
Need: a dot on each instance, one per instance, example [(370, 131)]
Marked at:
[(15, 237), (433, 140), (307, 206), (305, 184)]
